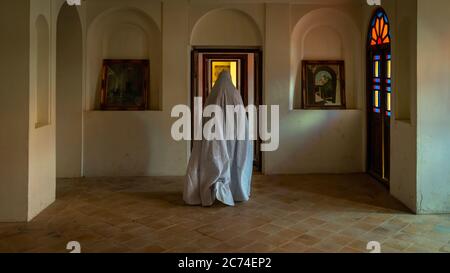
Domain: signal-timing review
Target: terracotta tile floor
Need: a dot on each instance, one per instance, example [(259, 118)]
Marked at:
[(308, 213)]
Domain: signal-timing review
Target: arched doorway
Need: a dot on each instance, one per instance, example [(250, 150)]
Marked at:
[(379, 102), (69, 93), (237, 48)]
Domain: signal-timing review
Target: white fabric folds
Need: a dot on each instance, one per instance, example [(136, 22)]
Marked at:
[(221, 169)]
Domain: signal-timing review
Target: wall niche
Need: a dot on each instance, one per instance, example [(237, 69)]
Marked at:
[(43, 72), (326, 34), (124, 34)]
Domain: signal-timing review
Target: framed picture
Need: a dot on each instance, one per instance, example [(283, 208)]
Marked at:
[(125, 85), (323, 85), (217, 66)]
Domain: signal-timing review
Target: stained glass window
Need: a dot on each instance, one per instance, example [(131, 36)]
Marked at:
[(377, 82), (380, 32), (380, 76), (376, 69), (388, 85), (380, 55)]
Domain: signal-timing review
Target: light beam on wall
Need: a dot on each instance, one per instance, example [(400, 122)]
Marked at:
[(374, 2), (73, 2)]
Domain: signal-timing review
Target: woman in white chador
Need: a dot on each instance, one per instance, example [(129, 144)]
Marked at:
[(221, 169)]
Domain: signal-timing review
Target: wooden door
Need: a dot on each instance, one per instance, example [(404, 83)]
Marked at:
[(202, 79), (379, 97)]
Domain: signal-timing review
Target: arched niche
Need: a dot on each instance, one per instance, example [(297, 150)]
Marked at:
[(226, 27), (327, 34), (42, 72), (69, 92), (126, 33)]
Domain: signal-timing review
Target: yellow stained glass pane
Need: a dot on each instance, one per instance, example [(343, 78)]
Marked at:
[(376, 72), (389, 70), (388, 106), (219, 66), (377, 99)]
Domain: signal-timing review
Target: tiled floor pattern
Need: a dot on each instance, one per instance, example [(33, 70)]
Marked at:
[(308, 213)]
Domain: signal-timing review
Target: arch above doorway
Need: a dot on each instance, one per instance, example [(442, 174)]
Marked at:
[(226, 27)]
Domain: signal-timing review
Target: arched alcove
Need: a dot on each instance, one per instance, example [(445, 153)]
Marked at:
[(125, 33), (226, 27), (69, 92), (323, 42), (327, 34), (116, 42), (43, 72)]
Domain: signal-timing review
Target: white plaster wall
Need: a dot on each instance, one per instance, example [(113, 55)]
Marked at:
[(226, 27), (138, 143), (131, 144), (328, 34), (404, 125), (142, 141), (298, 131), (276, 78), (228, 12), (315, 141), (433, 97), (41, 161), (28, 182), (122, 30), (14, 110), (123, 33)]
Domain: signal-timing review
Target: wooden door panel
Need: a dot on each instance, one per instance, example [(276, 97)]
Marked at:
[(376, 144), (378, 123)]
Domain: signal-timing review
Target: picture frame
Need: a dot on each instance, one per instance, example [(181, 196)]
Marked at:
[(232, 66), (125, 85), (323, 84)]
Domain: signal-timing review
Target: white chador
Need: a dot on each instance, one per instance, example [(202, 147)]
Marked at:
[(221, 169)]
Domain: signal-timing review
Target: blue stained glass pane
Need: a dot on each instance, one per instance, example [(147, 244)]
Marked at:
[(376, 87), (389, 89), (377, 80), (377, 57), (388, 56), (388, 81), (388, 114), (376, 110)]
